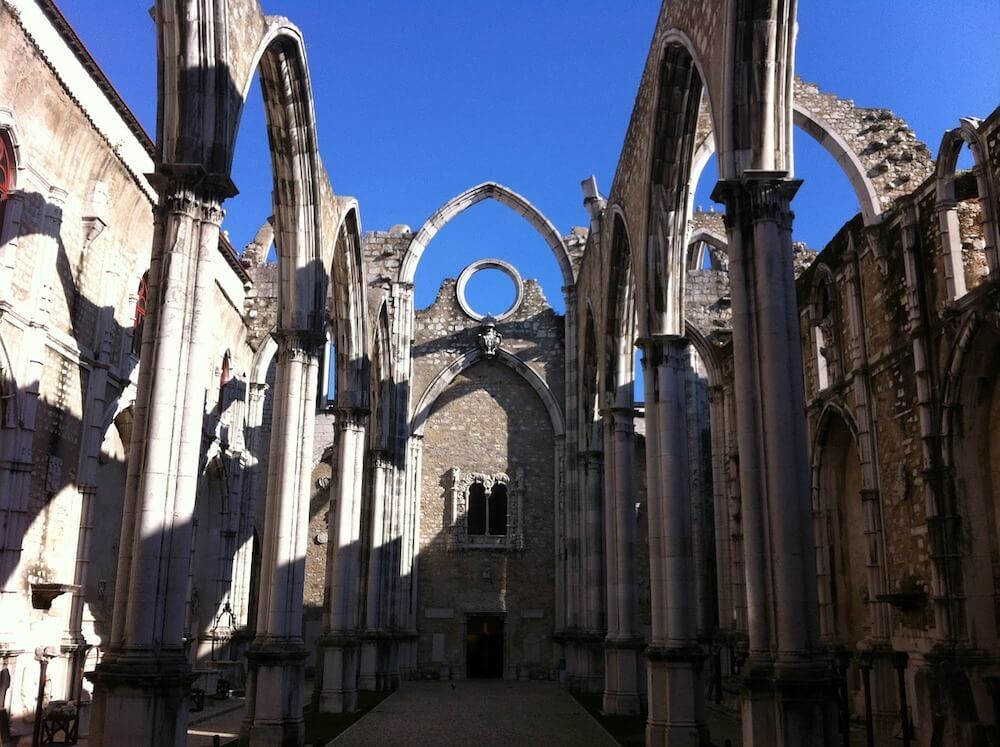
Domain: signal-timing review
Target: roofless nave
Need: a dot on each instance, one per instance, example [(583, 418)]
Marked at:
[(795, 517)]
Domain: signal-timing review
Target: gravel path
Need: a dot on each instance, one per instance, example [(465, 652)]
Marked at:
[(493, 712)]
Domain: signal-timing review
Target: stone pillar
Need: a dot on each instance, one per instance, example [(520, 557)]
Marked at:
[(623, 642), (243, 560), (277, 654), (674, 658), (141, 686), (592, 578), (788, 696), (373, 673), (340, 645)]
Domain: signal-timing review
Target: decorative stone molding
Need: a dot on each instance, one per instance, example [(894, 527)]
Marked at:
[(459, 537), (489, 339), (489, 264)]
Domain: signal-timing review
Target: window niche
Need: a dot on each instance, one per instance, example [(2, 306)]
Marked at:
[(486, 511)]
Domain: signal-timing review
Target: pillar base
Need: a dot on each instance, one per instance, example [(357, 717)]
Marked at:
[(275, 694), (676, 697), (622, 676), (585, 661), (789, 703), (141, 700), (337, 692)]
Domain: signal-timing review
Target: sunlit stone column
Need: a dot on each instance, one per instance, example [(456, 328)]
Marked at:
[(674, 658), (373, 670), (276, 656), (340, 644), (623, 643), (788, 695), (141, 686)]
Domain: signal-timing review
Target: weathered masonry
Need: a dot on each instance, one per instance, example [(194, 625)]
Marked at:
[(280, 476)]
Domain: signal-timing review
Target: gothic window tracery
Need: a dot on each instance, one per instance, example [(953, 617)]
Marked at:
[(825, 336), (486, 511), (224, 376)]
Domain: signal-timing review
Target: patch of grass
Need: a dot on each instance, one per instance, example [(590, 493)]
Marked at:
[(627, 730), (323, 727)]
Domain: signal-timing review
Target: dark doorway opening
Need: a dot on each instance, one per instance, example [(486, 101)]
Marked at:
[(484, 647)]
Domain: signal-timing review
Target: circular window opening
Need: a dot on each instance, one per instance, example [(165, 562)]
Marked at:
[(490, 291), (489, 287)]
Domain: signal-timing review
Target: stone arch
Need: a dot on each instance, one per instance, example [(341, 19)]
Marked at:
[(383, 415), (205, 73), (262, 360), (825, 323), (967, 133), (836, 469), (620, 320), (9, 128), (706, 351), (677, 120), (460, 203), (348, 309), (447, 374), (970, 428), (841, 151), (696, 247), (876, 150), (590, 383), (9, 392)]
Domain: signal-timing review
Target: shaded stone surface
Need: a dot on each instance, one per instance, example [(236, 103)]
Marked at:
[(481, 713)]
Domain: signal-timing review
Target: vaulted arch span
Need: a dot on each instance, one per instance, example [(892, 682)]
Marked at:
[(462, 202), (453, 369)]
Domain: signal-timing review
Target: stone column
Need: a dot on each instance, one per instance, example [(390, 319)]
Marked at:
[(674, 658), (723, 538), (788, 695), (592, 570), (373, 670), (277, 654), (141, 686), (243, 561), (623, 643), (340, 644), (570, 517)]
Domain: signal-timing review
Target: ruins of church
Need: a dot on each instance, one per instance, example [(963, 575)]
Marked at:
[(794, 516)]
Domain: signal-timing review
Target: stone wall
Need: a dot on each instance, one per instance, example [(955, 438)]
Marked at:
[(488, 420)]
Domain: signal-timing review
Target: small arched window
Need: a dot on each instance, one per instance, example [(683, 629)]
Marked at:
[(224, 376), (488, 510), (139, 320), (7, 168)]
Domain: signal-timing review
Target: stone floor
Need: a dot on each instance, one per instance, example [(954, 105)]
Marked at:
[(220, 718), (486, 712)]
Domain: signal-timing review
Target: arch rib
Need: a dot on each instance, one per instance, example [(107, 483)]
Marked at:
[(447, 374), (460, 203)]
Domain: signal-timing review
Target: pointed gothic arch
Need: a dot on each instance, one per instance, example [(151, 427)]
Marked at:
[(447, 374), (460, 203)]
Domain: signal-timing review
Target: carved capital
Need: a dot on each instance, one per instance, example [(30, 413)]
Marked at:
[(758, 196), (351, 419), (297, 346)]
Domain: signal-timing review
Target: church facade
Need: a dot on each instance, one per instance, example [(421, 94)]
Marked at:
[(790, 512)]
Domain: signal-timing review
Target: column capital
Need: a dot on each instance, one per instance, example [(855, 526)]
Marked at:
[(298, 344), (757, 196), (660, 350), (351, 418)]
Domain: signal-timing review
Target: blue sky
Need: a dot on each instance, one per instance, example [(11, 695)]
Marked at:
[(418, 101)]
